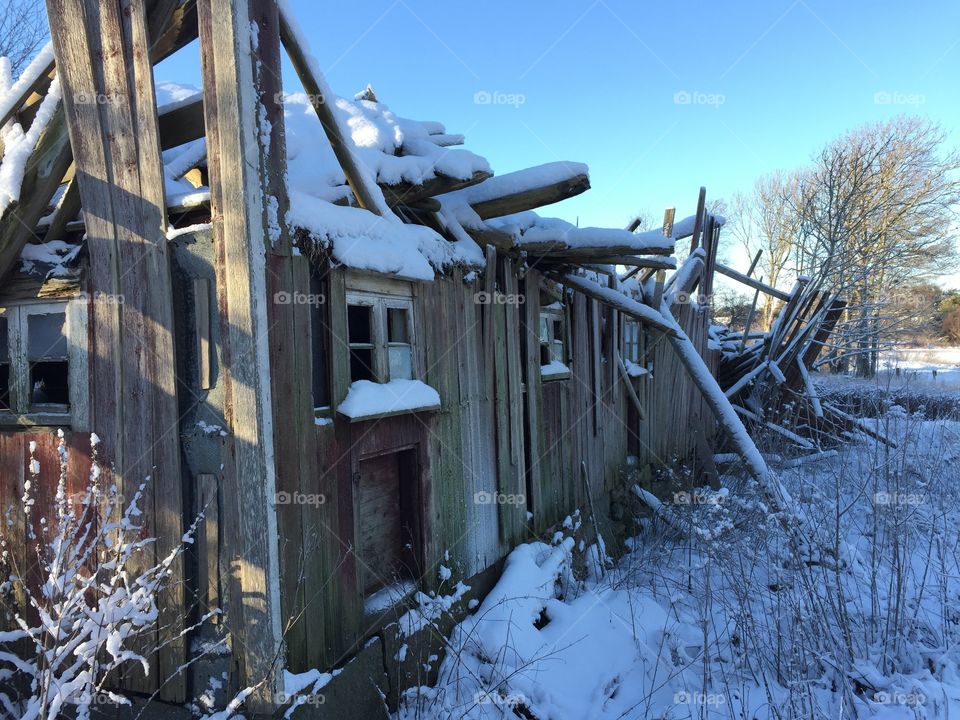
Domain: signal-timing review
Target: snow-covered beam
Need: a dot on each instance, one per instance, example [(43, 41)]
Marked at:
[(618, 301), (524, 190)]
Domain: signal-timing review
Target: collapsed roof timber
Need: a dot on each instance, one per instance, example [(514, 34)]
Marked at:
[(250, 314)]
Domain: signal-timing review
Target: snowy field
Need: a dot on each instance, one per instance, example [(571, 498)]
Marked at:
[(920, 368), (853, 612)]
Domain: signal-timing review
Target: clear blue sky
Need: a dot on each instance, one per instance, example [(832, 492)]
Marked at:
[(769, 82)]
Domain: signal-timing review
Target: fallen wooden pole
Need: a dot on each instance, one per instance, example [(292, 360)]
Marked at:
[(631, 393), (322, 101), (617, 300), (750, 282)]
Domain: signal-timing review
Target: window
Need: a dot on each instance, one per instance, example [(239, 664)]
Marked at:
[(631, 341), (34, 362), (553, 353), (380, 337)]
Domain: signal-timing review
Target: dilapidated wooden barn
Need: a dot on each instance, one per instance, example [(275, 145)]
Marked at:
[(331, 330)]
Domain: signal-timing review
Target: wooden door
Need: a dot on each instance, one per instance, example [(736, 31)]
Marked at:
[(380, 522)]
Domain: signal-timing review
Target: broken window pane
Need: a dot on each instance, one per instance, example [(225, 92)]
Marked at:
[(397, 329), (48, 383), (45, 336), (401, 362), (360, 327)]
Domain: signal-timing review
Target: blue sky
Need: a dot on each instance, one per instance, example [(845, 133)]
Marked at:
[(598, 82)]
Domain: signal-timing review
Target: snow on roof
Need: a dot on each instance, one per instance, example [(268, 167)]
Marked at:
[(516, 182), (392, 149), (528, 228)]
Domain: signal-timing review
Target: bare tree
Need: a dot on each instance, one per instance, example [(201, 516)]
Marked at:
[(874, 211), (766, 221), (23, 28)]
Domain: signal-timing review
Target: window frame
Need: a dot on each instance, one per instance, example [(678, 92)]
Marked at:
[(21, 411), (555, 315), (380, 303)]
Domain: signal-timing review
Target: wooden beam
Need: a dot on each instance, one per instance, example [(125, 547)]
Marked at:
[(532, 198), (524, 189), (120, 177), (239, 193), (616, 300), (181, 124), (408, 193), (751, 282), (362, 186)]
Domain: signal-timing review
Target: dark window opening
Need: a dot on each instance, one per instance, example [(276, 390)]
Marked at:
[(320, 350), (360, 334), (361, 364), (359, 324), (5, 386), (49, 383)]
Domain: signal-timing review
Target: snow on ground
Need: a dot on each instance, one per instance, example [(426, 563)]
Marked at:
[(860, 619)]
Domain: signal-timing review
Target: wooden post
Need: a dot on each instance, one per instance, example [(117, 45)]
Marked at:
[(103, 62), (242, 193)]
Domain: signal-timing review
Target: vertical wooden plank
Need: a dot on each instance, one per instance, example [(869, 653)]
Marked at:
[(208, 543), (240, 202), (201, 308), (117, 155)]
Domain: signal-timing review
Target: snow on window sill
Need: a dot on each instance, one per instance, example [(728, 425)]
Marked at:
[(556, 370), (367, 400)]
